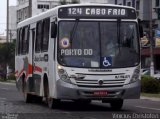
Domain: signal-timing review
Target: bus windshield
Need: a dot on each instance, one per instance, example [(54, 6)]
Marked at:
[(98, 44)]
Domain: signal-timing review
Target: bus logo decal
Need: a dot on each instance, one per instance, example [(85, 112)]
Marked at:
[(65, 43), (100, 82)]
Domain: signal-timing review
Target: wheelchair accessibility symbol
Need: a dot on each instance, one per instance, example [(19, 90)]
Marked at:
[(107, 61)]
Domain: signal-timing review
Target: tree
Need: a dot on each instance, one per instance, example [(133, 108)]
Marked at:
[(7, 56)]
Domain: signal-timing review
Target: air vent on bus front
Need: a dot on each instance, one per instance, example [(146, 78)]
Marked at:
[(100, 83)]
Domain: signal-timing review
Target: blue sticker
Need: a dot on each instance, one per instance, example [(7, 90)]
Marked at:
[(106, 61)]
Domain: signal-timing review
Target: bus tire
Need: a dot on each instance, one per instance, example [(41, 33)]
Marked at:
[(116, 104), (52, 103), (38, 99), (46, 87), (28, 98)]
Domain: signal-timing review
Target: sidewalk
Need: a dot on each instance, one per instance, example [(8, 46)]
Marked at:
[(150, 98)]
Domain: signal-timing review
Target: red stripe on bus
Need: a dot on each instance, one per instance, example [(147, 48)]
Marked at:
[(16, 72), (38, 69), (20, 73), (30, 69)]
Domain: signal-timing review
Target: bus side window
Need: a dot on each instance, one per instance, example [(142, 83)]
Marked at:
[(45, 40), (53, 30), (17, 41), (39, 34), (20, 42), (25, 40)]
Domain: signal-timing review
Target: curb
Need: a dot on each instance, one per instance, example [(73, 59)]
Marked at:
[(7, 83), (150, 98)]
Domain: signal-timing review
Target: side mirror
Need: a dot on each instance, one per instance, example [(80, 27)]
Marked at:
[(53, 30)]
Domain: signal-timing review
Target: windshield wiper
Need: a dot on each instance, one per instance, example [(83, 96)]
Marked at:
[(72, 34)]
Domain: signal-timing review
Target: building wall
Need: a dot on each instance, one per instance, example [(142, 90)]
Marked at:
[(22, 10), (94, 1), (29, 8)]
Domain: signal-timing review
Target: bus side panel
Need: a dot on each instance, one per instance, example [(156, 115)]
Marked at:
[(19, 71), (22, 71), (37, 70), (22, 61), (30, 81)]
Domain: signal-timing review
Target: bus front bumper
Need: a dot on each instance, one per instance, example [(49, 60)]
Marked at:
[(70, 91)]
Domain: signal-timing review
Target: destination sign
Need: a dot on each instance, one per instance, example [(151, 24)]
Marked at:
[(97, 12)]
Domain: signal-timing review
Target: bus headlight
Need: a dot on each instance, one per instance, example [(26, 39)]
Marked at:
[(61, 71), (63, 75), (135, 76)]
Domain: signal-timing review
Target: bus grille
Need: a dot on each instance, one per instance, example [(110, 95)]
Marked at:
[(95, 83)]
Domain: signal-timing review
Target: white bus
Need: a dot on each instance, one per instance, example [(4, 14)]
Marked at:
[(80, 52)]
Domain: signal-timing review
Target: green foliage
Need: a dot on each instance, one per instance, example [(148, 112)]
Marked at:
[(7, 56), (150, 85), (12, 77)]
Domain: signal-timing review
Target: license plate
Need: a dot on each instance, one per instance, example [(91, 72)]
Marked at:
[(100, 93)]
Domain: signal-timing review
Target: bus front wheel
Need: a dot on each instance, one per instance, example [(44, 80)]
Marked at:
[(53, 103), (28, 98), (116, 104)]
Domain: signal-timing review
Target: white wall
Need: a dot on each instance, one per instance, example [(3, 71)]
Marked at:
[(93, 1), (34, 7)]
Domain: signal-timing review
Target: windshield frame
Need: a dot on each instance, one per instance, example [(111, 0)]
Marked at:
[(99, 20)]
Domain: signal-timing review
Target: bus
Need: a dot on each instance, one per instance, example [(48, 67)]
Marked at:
[(79, 52)]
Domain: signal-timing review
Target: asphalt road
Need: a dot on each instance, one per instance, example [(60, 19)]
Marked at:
[(11, 101)]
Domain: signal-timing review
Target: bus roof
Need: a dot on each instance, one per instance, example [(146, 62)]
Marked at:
[(54, 12)]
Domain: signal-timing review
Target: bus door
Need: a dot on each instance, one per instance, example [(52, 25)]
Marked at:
[(33, 32), (41, 56), (31, 57)]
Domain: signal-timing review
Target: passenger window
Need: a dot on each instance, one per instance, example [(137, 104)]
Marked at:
[(45, 40), (23, 42), (39, 34), (20, 42), (17, 42), (25, 35)]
